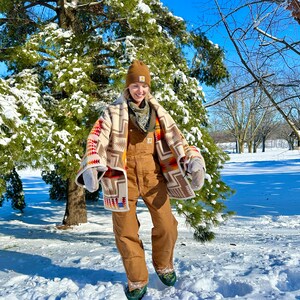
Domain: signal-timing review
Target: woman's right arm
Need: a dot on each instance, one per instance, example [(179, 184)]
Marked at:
[(94, 162)]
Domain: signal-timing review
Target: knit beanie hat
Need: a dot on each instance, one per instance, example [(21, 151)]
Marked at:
[(138, 72)]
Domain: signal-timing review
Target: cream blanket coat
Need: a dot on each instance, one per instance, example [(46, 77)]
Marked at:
[(106, 148)]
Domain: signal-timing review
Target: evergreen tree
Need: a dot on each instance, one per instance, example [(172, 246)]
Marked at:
[(14, 191), (23, 123), (79, 54)]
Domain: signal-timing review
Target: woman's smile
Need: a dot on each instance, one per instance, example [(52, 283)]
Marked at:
[(138, 91)]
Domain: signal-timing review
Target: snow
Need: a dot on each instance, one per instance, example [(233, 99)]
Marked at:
[(144, 8), (255, 254), (8, 107)]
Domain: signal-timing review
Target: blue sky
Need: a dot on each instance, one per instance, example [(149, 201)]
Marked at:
[(2, 68), (189, 10), (198, 14)]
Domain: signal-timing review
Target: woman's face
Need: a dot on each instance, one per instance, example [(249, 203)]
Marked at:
[(138, 91)]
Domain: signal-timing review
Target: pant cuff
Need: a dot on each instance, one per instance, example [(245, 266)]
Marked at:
[(164, 270), (133, 285)]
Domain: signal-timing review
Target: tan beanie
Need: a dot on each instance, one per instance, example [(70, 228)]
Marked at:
[(138, 72)]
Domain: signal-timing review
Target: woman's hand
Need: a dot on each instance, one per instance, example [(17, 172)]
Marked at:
[(90, 179), (197, 171)]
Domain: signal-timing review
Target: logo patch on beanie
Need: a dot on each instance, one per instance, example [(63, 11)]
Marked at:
[(142, 79)]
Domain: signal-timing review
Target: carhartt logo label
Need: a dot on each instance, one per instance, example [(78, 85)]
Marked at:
[(149, 140), (142, 79)]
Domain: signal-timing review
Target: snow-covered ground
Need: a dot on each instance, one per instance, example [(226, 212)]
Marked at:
[(255, 254)]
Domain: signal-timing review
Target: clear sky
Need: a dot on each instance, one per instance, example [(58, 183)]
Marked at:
[(197, 13), (187, 9)]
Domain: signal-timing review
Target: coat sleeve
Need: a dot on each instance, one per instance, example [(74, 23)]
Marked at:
[(96, 146), (173, 134)]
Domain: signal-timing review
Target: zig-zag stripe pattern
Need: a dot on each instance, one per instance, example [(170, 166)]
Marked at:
[(107, 144)]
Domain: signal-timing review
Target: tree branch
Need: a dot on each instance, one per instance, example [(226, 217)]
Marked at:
[(294, 83), (12, 20), (106, 22), (282, 41), (232, 11), (255, 77), (42, 3), (89, 4), (289, 98), (233, 91)]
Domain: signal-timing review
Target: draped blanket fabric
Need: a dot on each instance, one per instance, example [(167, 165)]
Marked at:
[(107, 144)]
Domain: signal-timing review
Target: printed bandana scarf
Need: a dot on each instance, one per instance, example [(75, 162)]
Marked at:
[(141, 116)]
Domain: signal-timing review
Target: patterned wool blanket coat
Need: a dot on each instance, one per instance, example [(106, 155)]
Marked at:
[(106, 148)]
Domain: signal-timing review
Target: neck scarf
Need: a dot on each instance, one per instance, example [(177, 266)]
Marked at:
[(142, 116)]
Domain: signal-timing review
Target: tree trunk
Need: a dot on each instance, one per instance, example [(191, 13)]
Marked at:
[(250, 146), (75, 208), (263, 144), (255, 145), (241, 145), (242, 148), (67, 16), (237, 148), (291, 143)]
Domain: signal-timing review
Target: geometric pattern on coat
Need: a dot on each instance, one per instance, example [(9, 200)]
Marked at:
[(107, 144)]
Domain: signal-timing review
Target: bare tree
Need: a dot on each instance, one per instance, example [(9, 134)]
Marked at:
[(292, 5), (246, 113), (267, 49)]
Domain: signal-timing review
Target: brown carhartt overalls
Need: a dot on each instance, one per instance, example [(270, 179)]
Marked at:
[(145, 180)]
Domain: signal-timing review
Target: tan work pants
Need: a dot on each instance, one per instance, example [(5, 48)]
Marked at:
[(145, 180)]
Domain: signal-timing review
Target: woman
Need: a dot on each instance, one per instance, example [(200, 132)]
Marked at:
[(136, 150)]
